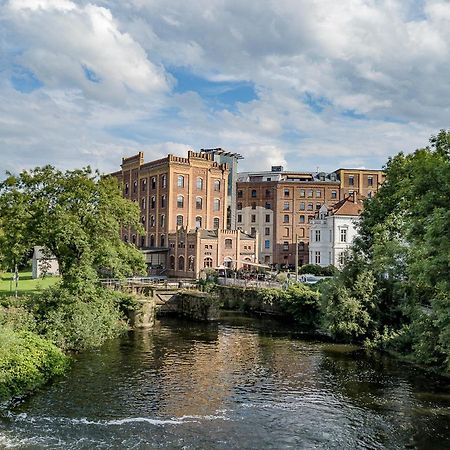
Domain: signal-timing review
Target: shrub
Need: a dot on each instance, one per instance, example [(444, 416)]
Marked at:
[(80, 321), (302, 303), (27, 361)]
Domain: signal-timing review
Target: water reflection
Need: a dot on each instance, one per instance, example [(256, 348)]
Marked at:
[(240, 383)]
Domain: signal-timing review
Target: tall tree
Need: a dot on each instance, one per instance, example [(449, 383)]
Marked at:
[(77, 215)]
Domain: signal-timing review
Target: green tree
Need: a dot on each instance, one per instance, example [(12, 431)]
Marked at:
[(77, 215), (404, 240)]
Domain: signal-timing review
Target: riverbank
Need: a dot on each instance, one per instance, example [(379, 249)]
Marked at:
[(236, 383)]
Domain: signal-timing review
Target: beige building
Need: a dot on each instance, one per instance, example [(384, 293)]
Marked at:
[(173, 192), (280, 206), (193, 251)]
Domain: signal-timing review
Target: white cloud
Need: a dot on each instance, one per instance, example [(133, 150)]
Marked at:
[(337, 82)]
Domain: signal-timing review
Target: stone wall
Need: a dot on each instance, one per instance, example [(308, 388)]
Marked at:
[(198, 306), (251, 300), (143, 313)]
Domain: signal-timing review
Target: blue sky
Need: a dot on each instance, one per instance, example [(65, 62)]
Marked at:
[(293, 82)]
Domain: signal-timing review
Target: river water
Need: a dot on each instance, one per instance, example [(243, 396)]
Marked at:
[(238, 383)]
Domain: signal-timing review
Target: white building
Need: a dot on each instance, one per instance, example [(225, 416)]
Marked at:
[(332, 232), (43, 263)]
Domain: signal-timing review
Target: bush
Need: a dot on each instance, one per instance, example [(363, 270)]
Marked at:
[(302, 303), (319, 271), (80, 321), (27, 361)]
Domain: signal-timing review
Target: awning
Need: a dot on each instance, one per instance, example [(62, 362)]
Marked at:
[(263, 266)]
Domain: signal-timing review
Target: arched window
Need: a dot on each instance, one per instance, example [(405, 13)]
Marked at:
[(198, 202), (163, 201), (216, 204), (207, 262), (127, 189), (179, 220), (153, 182), (163, 181), (152, 241), (191, 263), (172, 262), (135, 186), (143, 203), (144, 184), (198, 222), (216, 223), (180, 181), (181, 263), (143, 220), (200, 184), (133, 239), (217, 185), (152, 221), (152, 202), (162, 220), (180, 201), (142, 241), (125, 238), (228, 243), (163, 240)]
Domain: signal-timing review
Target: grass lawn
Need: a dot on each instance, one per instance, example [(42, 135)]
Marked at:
[(27, 285)]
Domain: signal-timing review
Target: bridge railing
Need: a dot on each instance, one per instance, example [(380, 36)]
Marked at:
[(135, 282)]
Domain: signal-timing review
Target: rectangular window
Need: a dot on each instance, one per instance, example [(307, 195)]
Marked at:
[(343, 234), (253, 205), (310, 206), (317, 257), (286, 192), (333, 194), (286, 206), (253, 231), (302, 192), (302, 219), (302, 206), (351, 180), (239, 206), (268, 205), (267, 217), (310, 193), (318, 194), (253, 193), (267, 244), (369, 181), (253, 218), (317, 235), (285, 246), (267, 231), (239, 218), (318, 205), (286, 218), (240, 194), (286, 231), (302, 232)]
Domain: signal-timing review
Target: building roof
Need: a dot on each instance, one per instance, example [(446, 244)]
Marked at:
[(41, 253), (349, 206)]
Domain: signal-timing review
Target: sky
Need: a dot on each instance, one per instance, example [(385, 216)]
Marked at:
[(307, 84)]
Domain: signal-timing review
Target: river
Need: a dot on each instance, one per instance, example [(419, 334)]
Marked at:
[(239, 383)]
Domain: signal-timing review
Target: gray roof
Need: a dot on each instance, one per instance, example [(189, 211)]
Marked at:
[(42, 253)]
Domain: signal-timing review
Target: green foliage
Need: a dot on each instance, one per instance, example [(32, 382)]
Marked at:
[(405, 242), (81, 321), (27, 361), (76, 215), (302, 303), (315, 269), (347, 310)]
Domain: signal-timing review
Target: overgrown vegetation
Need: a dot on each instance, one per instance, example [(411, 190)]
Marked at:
[(394, 292), (76, 216)]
